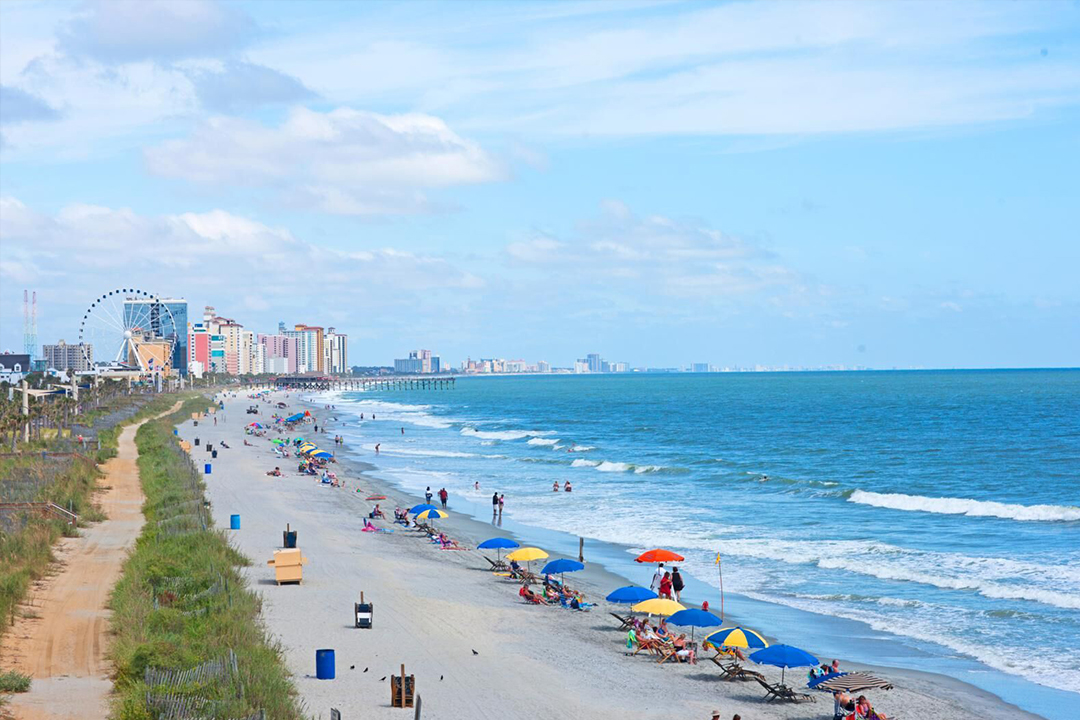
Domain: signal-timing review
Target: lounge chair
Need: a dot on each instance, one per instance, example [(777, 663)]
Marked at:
[(734, 671), (497, 565), (624, 623), (669, 652), (782, 692)]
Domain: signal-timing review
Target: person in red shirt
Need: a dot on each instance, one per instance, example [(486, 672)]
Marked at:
[(665, 586)]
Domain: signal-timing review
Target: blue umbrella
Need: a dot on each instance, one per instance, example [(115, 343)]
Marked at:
[(631, 595), (321, 454), (417, 509), (562, 565), (783, 657), (695, 618), (498, 544)]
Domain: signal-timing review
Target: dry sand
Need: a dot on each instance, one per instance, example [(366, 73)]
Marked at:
[(61, 639), (476, 649)]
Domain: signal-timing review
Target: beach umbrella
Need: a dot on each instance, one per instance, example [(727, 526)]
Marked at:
[(658, 556), (783, 657), (417, 509), (694, 618), (254, 425), (736, 637), (432, 514), (321, 454), (527, 554), (631, 594), (498, 544), (562, 566), (658, 606), (852, 682), (308, 450)]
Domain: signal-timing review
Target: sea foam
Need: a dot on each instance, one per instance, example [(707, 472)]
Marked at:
[(965, 506)]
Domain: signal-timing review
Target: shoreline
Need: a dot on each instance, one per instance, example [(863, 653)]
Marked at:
[(916, 693)]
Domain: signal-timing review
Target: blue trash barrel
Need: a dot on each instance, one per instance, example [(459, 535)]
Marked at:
[(234, 522), (207, 469), (324, 664)]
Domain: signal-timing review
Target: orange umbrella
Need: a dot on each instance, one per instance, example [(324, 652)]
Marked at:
[(653, 556)]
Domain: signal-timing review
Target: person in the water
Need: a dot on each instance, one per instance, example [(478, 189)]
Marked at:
[(567, 488), (555, 487)]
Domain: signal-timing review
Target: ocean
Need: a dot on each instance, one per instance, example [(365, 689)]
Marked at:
[(928, 520)]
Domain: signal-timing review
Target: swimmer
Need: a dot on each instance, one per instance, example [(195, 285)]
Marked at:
[(555, 487), (568, 488), (476, 485)]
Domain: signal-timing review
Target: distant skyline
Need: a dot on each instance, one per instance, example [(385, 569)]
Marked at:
[(803, 184)]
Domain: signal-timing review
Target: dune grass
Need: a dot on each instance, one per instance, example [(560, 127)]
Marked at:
[(166, 612)]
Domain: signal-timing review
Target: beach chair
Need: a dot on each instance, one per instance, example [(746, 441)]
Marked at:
[(782, 692), (734, 671), (624, 623), (497, 565)]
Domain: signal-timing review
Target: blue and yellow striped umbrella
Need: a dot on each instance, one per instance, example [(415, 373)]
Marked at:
[(736, 637), (432, 514)]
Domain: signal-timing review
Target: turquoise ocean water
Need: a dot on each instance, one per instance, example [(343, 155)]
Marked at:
[(919, 519)]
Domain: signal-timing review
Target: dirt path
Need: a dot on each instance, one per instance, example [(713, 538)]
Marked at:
[(62, 646)]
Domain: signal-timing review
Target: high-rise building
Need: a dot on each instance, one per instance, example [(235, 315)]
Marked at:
[(62, 356), (336, 352), (252, 354), (420, 362), (543, 367), (310, 342), (581, 366), (699, 367), (148, 314), (199, 345), (594, 362), (281, 353)]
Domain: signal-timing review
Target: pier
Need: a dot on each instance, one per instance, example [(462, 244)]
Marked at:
[(301, 382)]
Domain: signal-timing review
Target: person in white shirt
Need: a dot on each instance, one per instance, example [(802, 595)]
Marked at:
[(655, 586)]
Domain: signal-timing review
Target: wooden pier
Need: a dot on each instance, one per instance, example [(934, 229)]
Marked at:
[(301, 382)]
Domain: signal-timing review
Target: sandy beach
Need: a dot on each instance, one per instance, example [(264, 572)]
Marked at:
[(476, 649)]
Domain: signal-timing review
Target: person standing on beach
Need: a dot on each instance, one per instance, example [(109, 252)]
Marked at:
[(443, 495), (656, 578), (427, 495), (502, 502), (665, 586), (676, 582), (494, 505)]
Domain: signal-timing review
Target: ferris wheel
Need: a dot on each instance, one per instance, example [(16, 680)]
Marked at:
[(129, 328)]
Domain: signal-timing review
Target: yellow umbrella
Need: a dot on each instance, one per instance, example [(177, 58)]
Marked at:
[(658, 606), (432, 514), (737, 637), (527, 554)]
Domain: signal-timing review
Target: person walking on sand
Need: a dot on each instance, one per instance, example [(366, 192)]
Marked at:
[(665, 586), (443, 495), (656, 578), (676, 582)]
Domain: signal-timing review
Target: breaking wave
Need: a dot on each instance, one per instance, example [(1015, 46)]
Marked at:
[(964, 506)]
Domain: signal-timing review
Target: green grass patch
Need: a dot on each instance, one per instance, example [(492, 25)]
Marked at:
[(181, 600), (14, 681)]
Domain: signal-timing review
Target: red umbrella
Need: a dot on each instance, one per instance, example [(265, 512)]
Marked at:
[(653, 556)]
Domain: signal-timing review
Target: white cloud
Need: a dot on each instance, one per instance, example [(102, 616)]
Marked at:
[(156, 30), (344, 161), (230, 260), (239, 86), (629, 259), (738, 68)]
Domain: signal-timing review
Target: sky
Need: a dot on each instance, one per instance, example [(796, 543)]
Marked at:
[(739, 183)]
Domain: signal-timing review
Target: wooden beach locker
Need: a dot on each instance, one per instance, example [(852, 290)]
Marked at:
[(288, 566), (402, 689)]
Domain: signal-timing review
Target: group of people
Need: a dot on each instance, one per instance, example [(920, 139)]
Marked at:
[(567, 488), (846, 708), (643, 636), (667, 584), (552, 592)]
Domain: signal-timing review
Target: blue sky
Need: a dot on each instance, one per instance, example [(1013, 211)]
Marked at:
[(803, 183)]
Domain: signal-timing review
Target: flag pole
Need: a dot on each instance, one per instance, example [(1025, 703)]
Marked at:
[(720, 575)]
